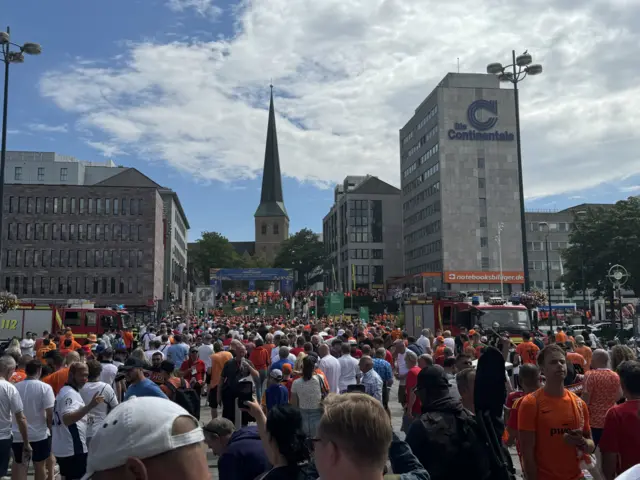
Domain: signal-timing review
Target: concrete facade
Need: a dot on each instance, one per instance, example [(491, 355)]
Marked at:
[(363, 230), (270, 233), (175, 254), (96, 242), (460, 180)]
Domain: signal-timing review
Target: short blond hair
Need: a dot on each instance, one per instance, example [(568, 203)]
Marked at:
[(351, 418)]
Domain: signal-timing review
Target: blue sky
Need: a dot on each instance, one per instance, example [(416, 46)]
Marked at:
[(179, 90)]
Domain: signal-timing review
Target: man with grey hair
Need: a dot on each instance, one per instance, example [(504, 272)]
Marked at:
[(10, 405), (370, 378), (601, 391), (424, 341), (348, 368), (241, 454)]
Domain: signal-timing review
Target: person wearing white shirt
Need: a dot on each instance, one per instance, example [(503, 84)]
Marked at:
[(449, 341), (69, 435), (401, 370), (147, 338), (204, 353), (330, 366), (423, 341), (10, 407), (96, 417), (109, 369), (154, 348), (27, 344), (37, 400), (349, 368)]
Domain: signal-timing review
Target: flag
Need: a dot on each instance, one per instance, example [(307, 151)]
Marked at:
[(333, 274), (353, 275)]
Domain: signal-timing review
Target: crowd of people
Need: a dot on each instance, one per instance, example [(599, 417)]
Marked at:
[(309, 398)]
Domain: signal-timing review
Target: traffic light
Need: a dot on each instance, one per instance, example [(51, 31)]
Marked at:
[(202, 312)]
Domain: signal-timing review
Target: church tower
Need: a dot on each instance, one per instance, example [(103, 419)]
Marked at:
[(271, 218)]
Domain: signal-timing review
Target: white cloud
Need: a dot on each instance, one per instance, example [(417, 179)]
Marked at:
[(41, 127), (107, 149), (348, 75), (630, 189), (205, 8)]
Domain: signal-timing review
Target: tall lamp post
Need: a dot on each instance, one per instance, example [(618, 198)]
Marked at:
[(516, 72), (545, 225), (579, 215), (9, 56), (499, 240)]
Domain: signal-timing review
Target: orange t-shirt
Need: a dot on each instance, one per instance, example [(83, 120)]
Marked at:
[(561, 337), (587, 354), (127, 337), (57, 379), (217, 364), (528, 351), (576, 359), (176, 382), (18, 376), (550, 418)]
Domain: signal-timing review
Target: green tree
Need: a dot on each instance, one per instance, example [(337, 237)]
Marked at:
[(301, 252), (602, 237), (213, 250)]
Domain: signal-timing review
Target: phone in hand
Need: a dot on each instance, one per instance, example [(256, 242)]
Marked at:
[(245, 393), (356, 388)]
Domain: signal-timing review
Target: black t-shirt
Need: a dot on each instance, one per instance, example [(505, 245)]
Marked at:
[(232, 373), (284, 473)]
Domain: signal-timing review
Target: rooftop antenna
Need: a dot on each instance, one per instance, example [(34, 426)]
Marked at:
[(458, 64)]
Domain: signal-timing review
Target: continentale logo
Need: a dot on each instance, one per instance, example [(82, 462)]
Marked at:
[(477, 129), (490, 106)]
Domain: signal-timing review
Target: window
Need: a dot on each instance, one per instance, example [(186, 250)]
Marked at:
[(483, 222), (139, 209), (81, 204), (73, 204), (87, 285), (139, 233), (121, 289), (29, 232), (39, 206), (13, 204), (140, 290), (124, 206), (104, 284), (484, 241), (480, 162), (45, 231), (377, 253), (125, 233), (115, 206), (56, 205), (72, 231), (21, 205), (64, 174), (90, 232), (276, 229), (263, 229), (133, 209), (9, 258), (65, 205), (105, 258), (99, 206), (47, 204), (481, 183), (130, 285), (485, 263), (113, 285), (96, 285), (132, 258), (99, 232), (41, 174), (90, 206), (91, 319), (107, 206), (18, 173), (483, 203), (31, 204), (140, 256), (63, 232)]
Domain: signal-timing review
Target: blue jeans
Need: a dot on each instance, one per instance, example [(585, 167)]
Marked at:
[(260, 384), (310, 419)]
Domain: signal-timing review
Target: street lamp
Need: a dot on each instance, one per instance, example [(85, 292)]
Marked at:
[(579, 215), (8, 57), (545, 225), (499, 240), (516, 72)]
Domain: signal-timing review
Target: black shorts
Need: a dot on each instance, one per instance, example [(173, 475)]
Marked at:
[(213, 397), (41, 450), (73, 468), (5, 455), (207, 380)]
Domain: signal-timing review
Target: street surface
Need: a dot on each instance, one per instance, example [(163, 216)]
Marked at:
[(396, 419)]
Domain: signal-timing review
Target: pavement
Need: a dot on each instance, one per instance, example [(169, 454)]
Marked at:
[(396, 420)]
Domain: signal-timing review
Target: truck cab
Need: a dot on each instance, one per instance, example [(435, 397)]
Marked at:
[(86, 321)]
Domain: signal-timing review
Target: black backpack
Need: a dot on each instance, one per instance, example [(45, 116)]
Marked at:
[(186, 397), (455, 445)]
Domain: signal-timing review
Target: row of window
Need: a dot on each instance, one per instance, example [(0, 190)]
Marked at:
[(427, 249), (49, 258), (421, 161), (73, 205), (553, 226), (421, 143), (23, 285), (363, 253), (435, 266), (542, 265), (275, 227), (181, 226), (422, 214), (430, 114), (543, 285), (64, 174), (421, 197), (61, 231), (416, 182), (539, 246), (429, 229)]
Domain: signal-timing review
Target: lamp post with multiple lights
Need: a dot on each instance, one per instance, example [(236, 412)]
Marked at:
[(521, 67), (9, 56), (547, 229)]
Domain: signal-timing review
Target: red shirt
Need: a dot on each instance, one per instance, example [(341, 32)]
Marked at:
[(297, 351), (621, 434), (358, 353), (388, 357), (513, 402), (195, 370), (412, 382), (260, 358)]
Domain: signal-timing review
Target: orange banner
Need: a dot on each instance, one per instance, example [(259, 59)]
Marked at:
[(483, 277)]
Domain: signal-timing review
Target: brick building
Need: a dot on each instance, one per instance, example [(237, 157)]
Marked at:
[(103, 242)]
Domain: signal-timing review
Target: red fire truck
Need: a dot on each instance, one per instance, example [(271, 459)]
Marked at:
[(452, 310), (82, 321)]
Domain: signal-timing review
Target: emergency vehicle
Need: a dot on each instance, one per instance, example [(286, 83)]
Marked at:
[(82, 321), (453, 310)]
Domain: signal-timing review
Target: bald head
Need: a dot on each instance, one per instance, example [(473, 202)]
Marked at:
[(323, 350), (600, 359)]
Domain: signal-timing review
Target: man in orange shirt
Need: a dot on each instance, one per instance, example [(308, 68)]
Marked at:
[(574, 358), (561, 337), (527, 351), (59, 378), (218, 359), (127, 337), (584, 350), (553, 424), (261, 360)]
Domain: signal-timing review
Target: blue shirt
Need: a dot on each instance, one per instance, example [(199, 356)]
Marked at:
[(276, 394), (177, 353), (383, 368), (144, 388), (278, 365)]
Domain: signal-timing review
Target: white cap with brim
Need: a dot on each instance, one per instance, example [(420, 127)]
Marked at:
[(138, 428)]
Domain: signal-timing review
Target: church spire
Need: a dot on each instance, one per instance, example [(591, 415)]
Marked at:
[(271, 199)]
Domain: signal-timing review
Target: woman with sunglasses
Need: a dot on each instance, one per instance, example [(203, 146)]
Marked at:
[(283, 440)]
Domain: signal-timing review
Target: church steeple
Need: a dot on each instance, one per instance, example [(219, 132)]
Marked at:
[(271, 199)]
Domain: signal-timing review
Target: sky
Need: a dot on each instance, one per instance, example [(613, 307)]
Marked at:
[(179, 89)]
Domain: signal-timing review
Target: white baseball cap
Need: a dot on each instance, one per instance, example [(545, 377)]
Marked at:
[(138, 428)]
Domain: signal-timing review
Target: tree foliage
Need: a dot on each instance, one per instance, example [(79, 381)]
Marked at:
[(602, 237), (302, 252), (213, 250)]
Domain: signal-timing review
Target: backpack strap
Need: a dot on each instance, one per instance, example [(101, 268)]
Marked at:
[(171, 388)]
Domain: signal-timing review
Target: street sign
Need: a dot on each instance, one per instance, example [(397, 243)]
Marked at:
[(364, 314), (334, 303)]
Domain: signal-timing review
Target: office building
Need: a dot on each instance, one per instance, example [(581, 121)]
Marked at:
[(459, 183), (52, 169), (362, 233)]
